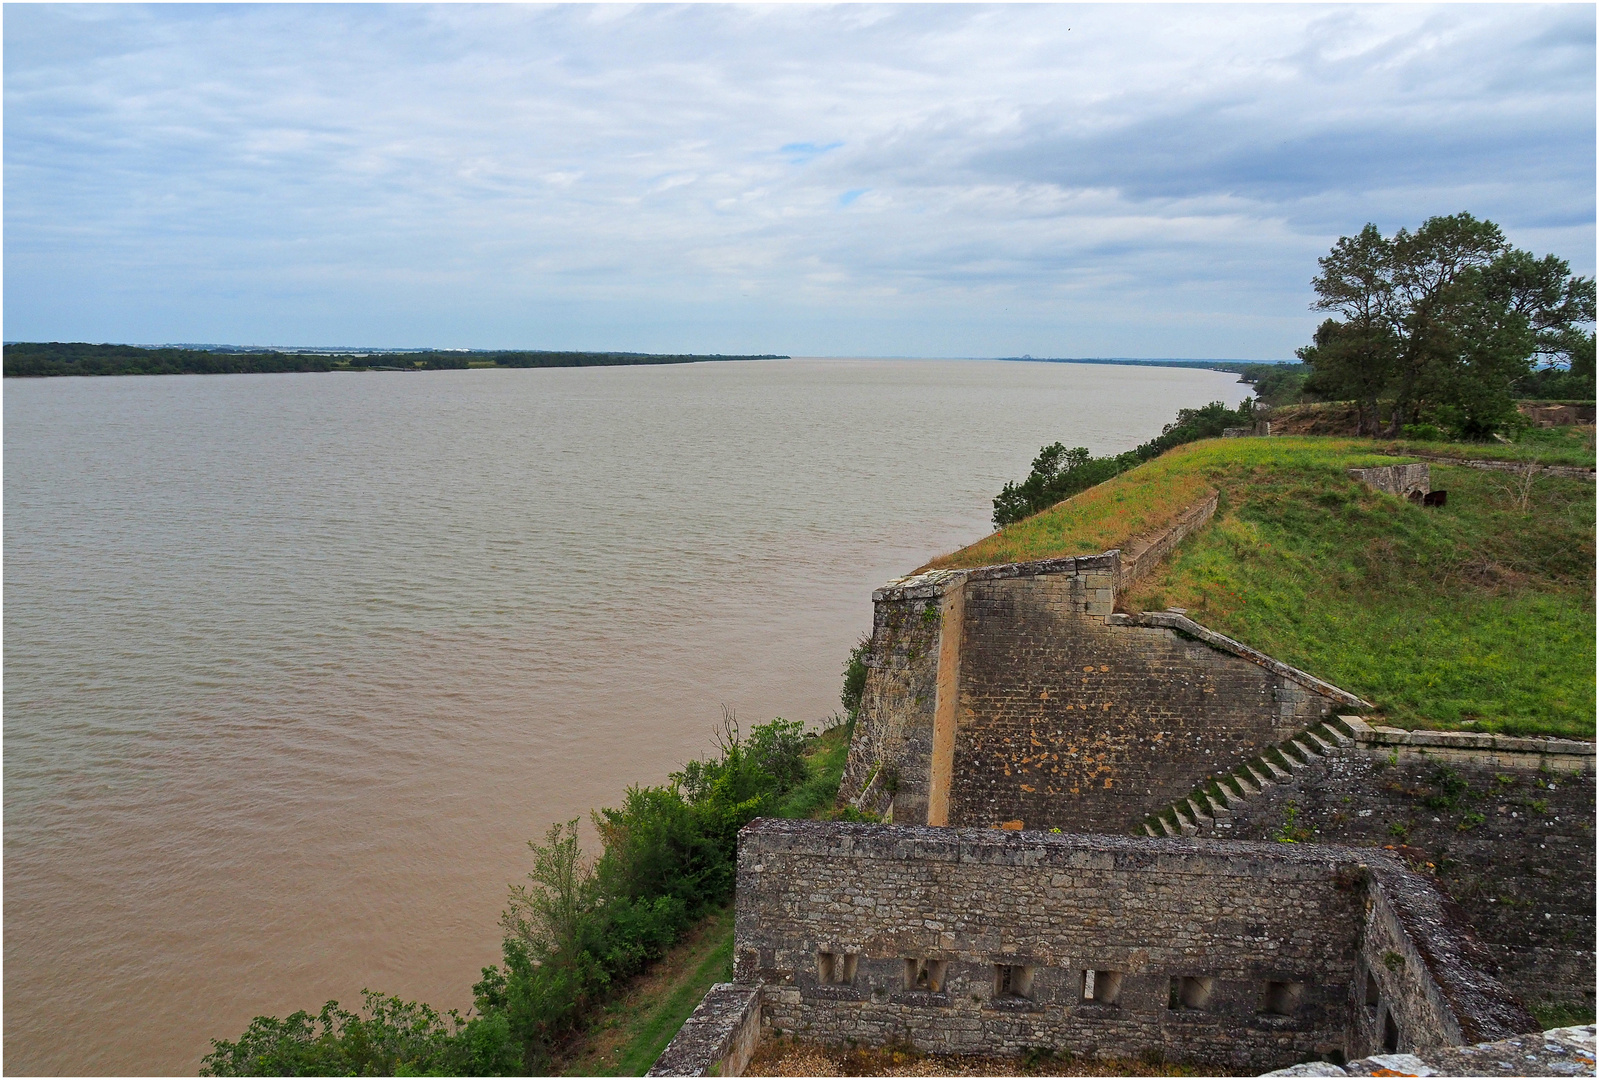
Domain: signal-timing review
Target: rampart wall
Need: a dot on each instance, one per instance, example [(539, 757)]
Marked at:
[(1243, 957), (1014, 697)]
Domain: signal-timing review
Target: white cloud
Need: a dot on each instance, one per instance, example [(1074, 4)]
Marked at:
[(944, 180)]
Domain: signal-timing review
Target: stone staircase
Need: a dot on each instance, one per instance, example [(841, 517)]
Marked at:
[(1205, 810)]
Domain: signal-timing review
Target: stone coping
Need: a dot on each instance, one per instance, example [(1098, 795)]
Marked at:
[(1171, 620), (935, 583), (717, 1038), (1004, 847), (1379, 735)]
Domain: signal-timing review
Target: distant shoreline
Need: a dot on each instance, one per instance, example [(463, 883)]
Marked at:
[(1235, 366), (56, 359)]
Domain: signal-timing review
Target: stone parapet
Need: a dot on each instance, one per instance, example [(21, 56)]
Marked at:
[(1565, 1051), (1172, 620), (718, 1038), (1478, 747)]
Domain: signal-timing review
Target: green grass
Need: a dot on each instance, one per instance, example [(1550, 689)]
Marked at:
[(825, 759), (1478, 613), (1149, 498), (1556, 1014), (1546, 446)]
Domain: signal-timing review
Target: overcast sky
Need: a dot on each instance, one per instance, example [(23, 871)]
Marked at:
[(921, 181)]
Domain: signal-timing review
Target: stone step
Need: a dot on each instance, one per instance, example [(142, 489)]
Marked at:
[(1277, 773), (1207, 810), (1316, 743), (1331, 733), (1286, 760)]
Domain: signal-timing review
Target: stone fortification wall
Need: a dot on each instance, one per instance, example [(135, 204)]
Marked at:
[(1505, 825), (1244, 957), (1014, 697)]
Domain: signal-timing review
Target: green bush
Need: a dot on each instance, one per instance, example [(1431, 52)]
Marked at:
[(394, 1038), (1059, 473), (855, 678)]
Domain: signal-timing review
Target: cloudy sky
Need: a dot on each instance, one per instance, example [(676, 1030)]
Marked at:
[(855, 180)]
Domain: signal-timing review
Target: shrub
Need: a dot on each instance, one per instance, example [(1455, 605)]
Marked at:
[(1059, 473)]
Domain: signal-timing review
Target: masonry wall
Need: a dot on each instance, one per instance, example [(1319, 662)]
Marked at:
[(892, 747), (1012, 697), (835, 924), (1510, 838), (1067, 722)]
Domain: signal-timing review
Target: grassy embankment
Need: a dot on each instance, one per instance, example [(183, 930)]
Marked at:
[(1479, 614), (635, 1027)]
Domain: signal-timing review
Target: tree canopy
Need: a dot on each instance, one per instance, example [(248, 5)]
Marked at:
[(1447, 321)]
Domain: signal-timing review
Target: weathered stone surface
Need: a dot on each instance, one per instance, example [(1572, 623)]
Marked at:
[(718, 1038), (1558, 1052), (1269, 945), (1401, 480), (1505, 825), (1086, 721)]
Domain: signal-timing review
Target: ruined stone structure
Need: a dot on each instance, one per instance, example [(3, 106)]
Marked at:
[(1406, 481)]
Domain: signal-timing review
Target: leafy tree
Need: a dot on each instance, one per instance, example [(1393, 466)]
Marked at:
[(855, 678), (1447, 320)]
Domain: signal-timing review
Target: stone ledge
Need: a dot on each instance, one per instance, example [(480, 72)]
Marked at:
[(1171, 620), (718, 1038), (1001, 847), (1581, 472), (1375, 735)]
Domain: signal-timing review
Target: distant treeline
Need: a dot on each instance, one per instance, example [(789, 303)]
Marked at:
[(41, 359)]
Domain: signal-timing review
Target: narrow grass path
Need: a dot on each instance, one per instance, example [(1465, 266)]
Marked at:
[(637, 1025)]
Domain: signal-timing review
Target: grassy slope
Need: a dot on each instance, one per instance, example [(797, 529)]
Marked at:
[(1477, 612), (635, 1028), (1567, 445)]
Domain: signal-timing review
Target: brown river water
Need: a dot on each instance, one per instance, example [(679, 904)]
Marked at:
[(296, 664)]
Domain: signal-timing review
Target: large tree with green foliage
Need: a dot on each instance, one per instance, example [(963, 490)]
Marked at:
[(1446, 320)]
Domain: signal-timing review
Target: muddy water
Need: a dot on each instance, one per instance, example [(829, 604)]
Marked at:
[(294, 665)]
